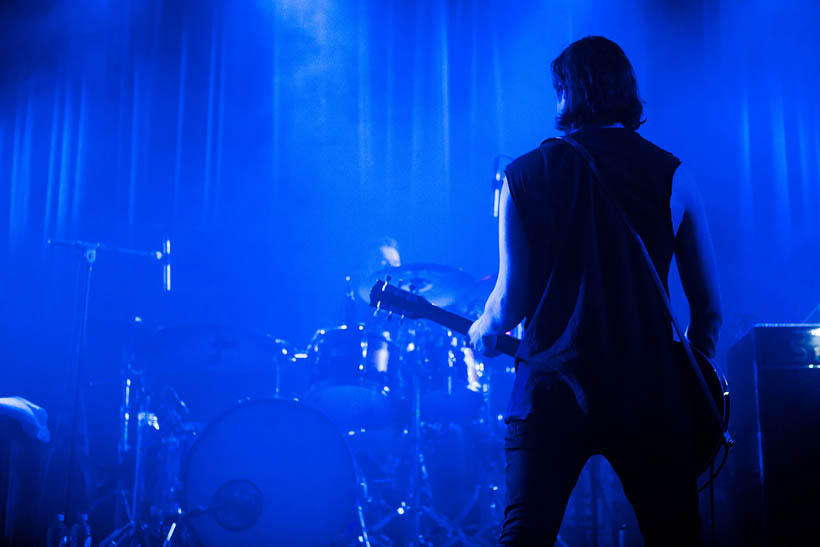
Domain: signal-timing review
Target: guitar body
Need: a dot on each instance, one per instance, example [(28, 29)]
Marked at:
[(707, 439)]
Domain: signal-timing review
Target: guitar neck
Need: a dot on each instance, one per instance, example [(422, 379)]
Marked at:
[(506, 344)]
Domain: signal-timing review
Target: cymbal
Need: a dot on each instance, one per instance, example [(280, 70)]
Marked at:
[(471, 303), (440, 285), (209, 366), (196, 346)]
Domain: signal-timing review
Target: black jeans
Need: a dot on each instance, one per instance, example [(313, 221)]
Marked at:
[(547, 451)]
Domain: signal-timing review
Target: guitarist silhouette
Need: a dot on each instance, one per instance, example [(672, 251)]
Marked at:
[(597, 371)]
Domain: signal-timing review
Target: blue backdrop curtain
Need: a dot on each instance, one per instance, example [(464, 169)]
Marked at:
[(271, 140)]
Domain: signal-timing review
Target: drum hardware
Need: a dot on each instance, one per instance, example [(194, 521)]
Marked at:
[(157, 427), (396, 387), (420, 481), (156, 431), (414, 361), (284, 354), (290, 369), (153, 454), (485, 498), (87, 259)]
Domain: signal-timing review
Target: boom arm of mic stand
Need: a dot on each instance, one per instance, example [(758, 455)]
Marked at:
[(97, 246)]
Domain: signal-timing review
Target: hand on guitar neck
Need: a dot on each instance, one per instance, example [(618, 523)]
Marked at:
[(485, 344)]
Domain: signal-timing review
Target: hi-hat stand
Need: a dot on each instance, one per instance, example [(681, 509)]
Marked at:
[(419, 480)]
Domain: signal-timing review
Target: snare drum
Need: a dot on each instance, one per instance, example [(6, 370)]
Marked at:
[(353, 376), (453, 385)]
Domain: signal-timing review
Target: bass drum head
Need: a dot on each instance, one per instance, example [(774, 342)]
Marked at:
[(269, 472)]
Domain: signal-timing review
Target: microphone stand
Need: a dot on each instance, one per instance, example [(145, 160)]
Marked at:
[(89, 256), (498, 182)]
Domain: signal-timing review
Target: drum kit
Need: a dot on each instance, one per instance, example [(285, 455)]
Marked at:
[(380, 432)]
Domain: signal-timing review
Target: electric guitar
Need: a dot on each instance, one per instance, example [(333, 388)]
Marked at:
[(708, 442)]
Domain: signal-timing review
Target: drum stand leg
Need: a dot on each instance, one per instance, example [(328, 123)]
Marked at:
[(364, 537), (456, 534), (419, 479), (169, 537)]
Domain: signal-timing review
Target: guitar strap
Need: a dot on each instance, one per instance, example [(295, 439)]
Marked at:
[(581, 149)]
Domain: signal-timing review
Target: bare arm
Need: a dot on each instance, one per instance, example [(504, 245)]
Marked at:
[(695, 257), (509, 300)]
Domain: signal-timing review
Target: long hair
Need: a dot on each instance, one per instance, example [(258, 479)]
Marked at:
[(599, 83)]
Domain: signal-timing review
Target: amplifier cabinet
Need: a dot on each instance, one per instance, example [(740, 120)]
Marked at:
[(774, 379)]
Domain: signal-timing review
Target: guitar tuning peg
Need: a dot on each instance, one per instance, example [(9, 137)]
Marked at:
[(401, 320), (387, 280), (390, 315)]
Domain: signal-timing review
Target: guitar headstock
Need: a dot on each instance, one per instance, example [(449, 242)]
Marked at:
[(384, 296)]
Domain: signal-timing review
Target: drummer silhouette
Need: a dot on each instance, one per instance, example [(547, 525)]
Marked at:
[(379, 254), (384, 252)]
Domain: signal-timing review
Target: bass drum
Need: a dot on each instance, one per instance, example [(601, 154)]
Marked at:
[(269, 472)]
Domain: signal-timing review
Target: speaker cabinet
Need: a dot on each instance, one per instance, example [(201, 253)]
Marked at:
[(774, 374)]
